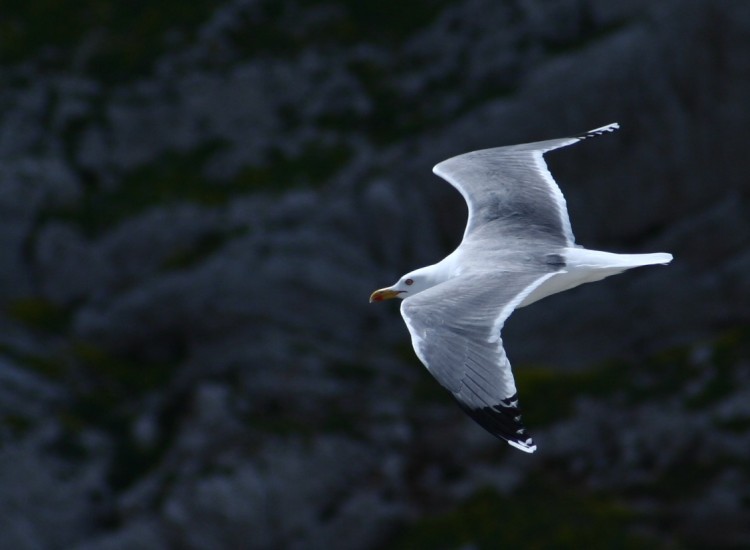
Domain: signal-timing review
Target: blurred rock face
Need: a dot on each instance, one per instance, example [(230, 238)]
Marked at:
[(193, 214)]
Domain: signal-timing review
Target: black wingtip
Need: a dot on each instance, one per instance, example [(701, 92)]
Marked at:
[(503, 421)]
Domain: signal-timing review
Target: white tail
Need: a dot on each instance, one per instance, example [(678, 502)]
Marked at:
[(596, 259), (587, 266)]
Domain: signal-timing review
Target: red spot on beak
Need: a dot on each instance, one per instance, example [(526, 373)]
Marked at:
[(383, 294)]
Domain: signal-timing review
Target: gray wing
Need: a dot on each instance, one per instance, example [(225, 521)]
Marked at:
[(455, 330), (511, 189)]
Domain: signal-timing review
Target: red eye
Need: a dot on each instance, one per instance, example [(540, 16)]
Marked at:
[(409, 282)]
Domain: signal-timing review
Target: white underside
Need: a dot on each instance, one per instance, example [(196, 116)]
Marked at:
[(587, 266)]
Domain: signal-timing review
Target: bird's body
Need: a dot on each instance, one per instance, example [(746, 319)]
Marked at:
[(518, 247)]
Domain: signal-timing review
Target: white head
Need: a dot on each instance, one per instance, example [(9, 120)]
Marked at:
[(410, 284)]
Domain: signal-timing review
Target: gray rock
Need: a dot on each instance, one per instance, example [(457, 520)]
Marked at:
[(288, 412)]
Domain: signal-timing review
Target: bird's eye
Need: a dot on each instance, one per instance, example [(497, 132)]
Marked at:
[(409, 281)]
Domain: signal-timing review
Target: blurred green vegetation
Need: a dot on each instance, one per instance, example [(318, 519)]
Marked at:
[(44, 364), (549, 394), (117, 41), (270, 28), (117, 376), (178, 177), (541, 514), (185, 257), (106, 388), (39, 314), (171, 178), (124, 38)]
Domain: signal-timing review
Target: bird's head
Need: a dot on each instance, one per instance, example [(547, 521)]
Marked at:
[(408, 285)]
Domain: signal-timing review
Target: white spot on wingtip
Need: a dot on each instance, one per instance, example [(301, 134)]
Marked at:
[(598, 131), (527, 447)]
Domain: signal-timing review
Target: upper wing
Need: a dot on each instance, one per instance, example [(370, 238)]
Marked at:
[(455, 329), (512, 188)]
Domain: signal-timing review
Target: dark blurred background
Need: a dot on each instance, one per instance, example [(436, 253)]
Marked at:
[(196, 199)]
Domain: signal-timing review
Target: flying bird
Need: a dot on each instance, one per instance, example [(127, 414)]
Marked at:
[(517, 248)]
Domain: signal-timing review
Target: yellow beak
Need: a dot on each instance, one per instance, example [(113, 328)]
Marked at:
[(384, 294)]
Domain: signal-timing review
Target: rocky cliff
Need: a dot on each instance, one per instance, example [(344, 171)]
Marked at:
[(195, 202)]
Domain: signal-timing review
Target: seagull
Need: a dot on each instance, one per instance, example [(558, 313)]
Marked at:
[(517, 248)]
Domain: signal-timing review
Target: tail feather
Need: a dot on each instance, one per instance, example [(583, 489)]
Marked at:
[(582, 257), (586, 266)]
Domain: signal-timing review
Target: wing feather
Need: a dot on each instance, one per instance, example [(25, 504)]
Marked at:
[(512, 189), (455, 332)]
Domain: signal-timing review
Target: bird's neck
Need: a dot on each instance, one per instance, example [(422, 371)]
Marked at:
[(440, 272)]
